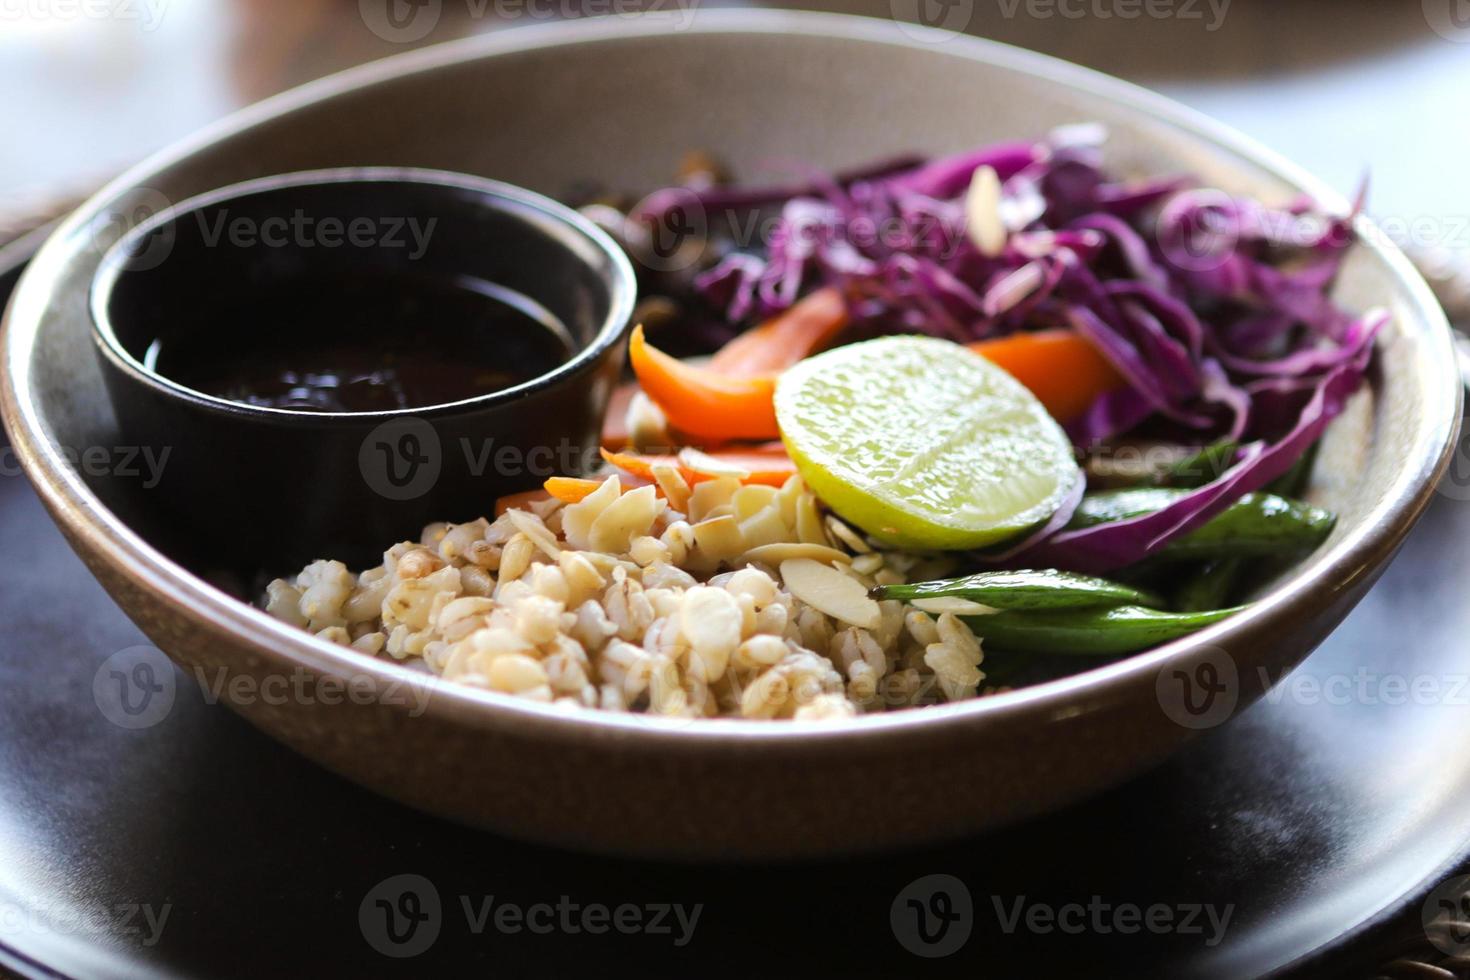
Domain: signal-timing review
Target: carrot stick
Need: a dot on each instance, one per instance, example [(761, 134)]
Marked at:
[(1060, 367), (702, 402), (772, 347), (569, 489), (769, 467)]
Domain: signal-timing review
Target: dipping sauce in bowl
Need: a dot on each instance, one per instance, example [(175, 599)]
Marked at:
[(322, 389), (365, 343)]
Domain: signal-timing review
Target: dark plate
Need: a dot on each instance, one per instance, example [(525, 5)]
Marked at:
[(196, 846)]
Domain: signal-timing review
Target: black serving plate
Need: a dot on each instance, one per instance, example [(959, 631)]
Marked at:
[(194, 846)]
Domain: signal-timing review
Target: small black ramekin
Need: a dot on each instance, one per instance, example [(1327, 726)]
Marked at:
[(267, 488)]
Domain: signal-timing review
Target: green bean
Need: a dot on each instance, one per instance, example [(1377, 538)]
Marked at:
[(1256, 525), (1090, 632), (1209, 586), (1048, 589), (1293, 483), (1203, 467)]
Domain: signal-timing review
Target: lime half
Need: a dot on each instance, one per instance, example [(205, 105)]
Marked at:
[(924, 444)]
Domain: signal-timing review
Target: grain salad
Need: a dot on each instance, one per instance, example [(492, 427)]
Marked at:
[(713, 600)]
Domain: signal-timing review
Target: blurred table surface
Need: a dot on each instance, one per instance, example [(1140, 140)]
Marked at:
[(1347, 89)]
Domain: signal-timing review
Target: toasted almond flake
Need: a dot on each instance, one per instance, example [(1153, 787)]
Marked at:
[(867, 564), (809, 521), (701, 462), (825, 588), (773, 555), (939, 605), (983, 223), (538, 532), (673, 484), (645, 422), (751, 500), (846, 535), (765, 527), (630, 516), (709, 495), (719, 539)]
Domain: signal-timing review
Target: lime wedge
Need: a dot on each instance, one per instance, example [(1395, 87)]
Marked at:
[(923, 444)]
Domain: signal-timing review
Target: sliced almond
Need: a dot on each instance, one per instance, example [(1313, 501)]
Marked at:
[(719, 539), (626, 518), (983, 224), (711, 494), (827, 590), (751, 500), (809, 521), (772, 555), (765, 528), (673, 484), (701, 462), (847, 535), (939, 605), (646, 424)]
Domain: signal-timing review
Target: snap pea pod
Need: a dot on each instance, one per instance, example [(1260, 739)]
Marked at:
[(1046, 589), (1198, 469), (1090, 632), (1209, 585), (1293, 482), (1256, 525)]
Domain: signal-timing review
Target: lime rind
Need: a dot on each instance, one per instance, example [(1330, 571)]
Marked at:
[(924, 444)]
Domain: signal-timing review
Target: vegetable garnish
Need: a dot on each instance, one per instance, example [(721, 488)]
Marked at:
[(1212, 313), (772, 347), (1061, 368), (923, 444), (1026, 589), (771, 468), (700, 401), (1090, 632)]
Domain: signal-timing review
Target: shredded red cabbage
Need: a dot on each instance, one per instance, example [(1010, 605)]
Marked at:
[(1215, 309)]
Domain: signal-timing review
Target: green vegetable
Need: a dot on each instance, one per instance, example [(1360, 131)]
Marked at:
[(1090, 632), (1049, 589), (1256, 525), (1293, 483), (1209, 586), (1203, 467)]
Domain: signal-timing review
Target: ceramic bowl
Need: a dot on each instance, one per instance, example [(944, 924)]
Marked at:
[(749, 87)]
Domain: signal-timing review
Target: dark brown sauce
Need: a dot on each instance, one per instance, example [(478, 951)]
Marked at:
[(369, 343)]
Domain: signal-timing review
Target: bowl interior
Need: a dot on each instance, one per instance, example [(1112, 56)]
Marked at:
[(829, 92)]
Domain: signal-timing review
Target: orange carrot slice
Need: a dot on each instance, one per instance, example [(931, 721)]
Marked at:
[(1061, 368), (569, 489), (703, 402), (772, 347)]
